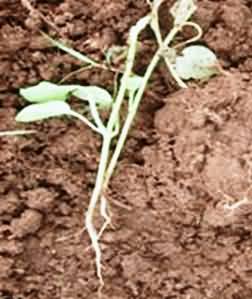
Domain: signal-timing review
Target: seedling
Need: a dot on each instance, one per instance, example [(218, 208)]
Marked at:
[(49, 100)]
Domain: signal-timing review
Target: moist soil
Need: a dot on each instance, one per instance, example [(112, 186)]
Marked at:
[(180, 199)]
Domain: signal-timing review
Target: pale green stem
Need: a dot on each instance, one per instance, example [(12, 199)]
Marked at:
[(193, 39), (17, 132), (107, 138), (124, 81), (85, 59), (131, 115), (86, 121), (96, 116), (80, 70), (156, 28), (71, 51), (93, 201)]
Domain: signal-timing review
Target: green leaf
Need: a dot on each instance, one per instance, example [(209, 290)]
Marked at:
[(182, 10), (37, 112), (94, 94), (46, 92), (197, 62)]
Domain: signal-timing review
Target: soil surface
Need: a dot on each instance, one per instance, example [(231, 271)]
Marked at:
[(180, 199)]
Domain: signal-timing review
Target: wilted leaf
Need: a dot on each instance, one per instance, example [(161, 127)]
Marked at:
[(197, 62), (46, 92), (94, 94), (182, 10), (37, 112)]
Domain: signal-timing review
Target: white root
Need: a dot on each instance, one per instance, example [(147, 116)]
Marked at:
[(105, 214), (95, 237), (95, 244)]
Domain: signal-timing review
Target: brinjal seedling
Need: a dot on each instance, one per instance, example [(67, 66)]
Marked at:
[(49, 99)]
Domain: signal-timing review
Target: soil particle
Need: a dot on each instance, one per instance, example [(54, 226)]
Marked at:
[(39, 199), (28, 223), (11, 247), (12, 39), (231, 34), (8, 205), (5, 267)]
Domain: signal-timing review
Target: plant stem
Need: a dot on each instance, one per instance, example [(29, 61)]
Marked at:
[(131, 115), (107, 138), (96, 117), (128, 70), (86, 122), (93, 202), (156, 28), (194, 38), (17, 132)]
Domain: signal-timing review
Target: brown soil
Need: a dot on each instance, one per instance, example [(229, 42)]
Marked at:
[(181, 198)]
